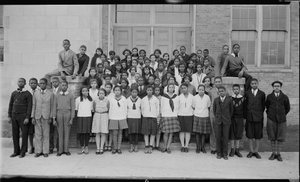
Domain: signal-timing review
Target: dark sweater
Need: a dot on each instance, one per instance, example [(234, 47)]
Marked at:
[(277, 108), (83, 62), (20, 103), (239, 107)]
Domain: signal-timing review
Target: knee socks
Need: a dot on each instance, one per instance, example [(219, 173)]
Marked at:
[(279, 145), (198, 140)]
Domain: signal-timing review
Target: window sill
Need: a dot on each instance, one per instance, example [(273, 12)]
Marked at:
[(270, 70)]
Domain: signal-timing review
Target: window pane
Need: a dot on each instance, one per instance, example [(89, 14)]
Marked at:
[(236, 13), (282, 24), (136, 17), (266, 24), (127, 17), (266, 12), (280, 58), (136, 8), (185, 8), (120, 7), (252, 12), (244, 12), (251, 53), (145, 7), (168, 7), (281, 47), (274, 12), (185, 18), (235, 36), (159, 8), (168, 18), (252, 24), (236, 24), (272, 36), (264, 46), (145, 17), (176, 8), (244, 17), (274, 23), (280, 36), (177, 18), (159, 18), (243, 36), (274, 17), (127, 7), (264, 58), (272, 59), (282, 12), (120, 17), (244, 24)]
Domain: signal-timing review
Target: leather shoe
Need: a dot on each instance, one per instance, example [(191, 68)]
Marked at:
[(37, 154), (31, 151), (186, 150), (231, 154), (68, 153), (250, 155), (225, 157), (14, 155), (22, 155), (58, 154), (279, 158), (219, 157), (46, 155), (119, 151), (213, 152), (272, 157), (237, 152), (203, 150), (51, 152), (182, 149), (198, 150), (257, 155)]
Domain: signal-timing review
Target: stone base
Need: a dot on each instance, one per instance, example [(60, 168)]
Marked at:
[(228, 82)]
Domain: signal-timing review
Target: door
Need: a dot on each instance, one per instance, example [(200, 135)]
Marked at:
[(163, 39), (182, 37), (122, 40), (141, 38)]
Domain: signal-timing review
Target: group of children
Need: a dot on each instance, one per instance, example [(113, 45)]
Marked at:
[(148, 97)]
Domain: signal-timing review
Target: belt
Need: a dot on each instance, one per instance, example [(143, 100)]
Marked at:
[(102, 112)]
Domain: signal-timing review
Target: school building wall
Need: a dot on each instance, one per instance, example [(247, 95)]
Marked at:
[(33, 37)]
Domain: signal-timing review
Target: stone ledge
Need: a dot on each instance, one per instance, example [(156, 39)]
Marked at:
[(70, 80), (231, 80)]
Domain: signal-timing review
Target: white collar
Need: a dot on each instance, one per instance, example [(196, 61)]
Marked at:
[(44, 91), (238, 96), (223, 97), (234, 54), (61, 92)]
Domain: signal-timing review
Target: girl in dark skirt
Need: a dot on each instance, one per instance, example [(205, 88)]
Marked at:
[(169, 110), (84, 107), (201, 125), (157, 93), (150, 112), (185, 116), (134, 119)]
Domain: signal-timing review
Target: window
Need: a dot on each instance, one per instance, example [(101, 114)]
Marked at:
[(244, 31), (263, 25), (1, 35), (157, 14)]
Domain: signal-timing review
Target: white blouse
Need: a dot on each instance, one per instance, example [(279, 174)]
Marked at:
[(150, 107), (84, 107), (166, 110), (176, 90), (201, 105), (134, 113), (185, 105), (197, 80), (94, 94), (116, 112)]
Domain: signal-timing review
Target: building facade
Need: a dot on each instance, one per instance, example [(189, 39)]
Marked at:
[(31, 37)]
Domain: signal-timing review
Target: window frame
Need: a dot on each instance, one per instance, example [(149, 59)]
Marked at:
[(258, 40), (2, 29)]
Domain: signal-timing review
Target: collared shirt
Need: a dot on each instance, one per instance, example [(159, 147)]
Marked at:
[(276, 94), (55, 90), (236, 96), (66, 92), (66, 52), (234, 54), (254, 92), (222, 98)]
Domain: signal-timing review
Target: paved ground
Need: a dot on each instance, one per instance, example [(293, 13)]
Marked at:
[(157, 165)]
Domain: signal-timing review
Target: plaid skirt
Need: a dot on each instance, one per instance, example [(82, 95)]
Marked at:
[(134, 125), (170, 125), (202, 125), (149, 126), (117, 124)]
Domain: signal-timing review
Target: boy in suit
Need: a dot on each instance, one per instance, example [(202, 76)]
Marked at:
[(19, 112), (42, 106), (67, 64), (53, 129), (83, 61), (64, 111), (142, 90), (277, 107), (223, 111), (255, 106)]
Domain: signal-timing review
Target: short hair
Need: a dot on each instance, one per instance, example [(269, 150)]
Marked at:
[(33, 79), (199, 50), (235, 45), (45, 79), (67, 41), (64, 81), (151, 55), (222, 87), (100, 64), (142, 50), (174, 51), (206, 50), (169, 86), (149, 86), (184, 84), (103, 91), (205, 78), (254, 79), (125, 51), (117, 86), (236, 85), (132, 68), (166, 54), (107, 75), (157, 50), (218, 77), (182, 47), (189, 76), (134, 88), (201, 85), (55, 78), (118, 57), (93, 80), (135, 49), (124, 72), (103, 55), (111, 85), (83, 46), (112, 52), (225, 46), (23, 79), (125, 79), (134, 60)]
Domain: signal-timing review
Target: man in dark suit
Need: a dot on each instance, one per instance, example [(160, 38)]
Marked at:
[(223, 111), (183, 54), (255, 106), (142, 90)]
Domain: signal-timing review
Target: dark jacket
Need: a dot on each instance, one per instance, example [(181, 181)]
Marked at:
[(93, 62), (141, 93), (223, 111), (20, 103), (277, 107), (83, 62), (255, 106)]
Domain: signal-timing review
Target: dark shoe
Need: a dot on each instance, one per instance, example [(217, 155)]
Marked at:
[(164, 150), (186, 150), (119, 151), (219, 157), (279, 158), (182, 149), (237, 152), (225, 157), (113, 151), (68, 153), (38, 154), (97, 151), (198, 150), (109, 148), (273, 156), (158, 148), (168, 150), (250, 155), (231, 154), (257, 155), (203, 150), (51, 152), (46, 155), (58, 154), (22, 155), (213, 152), (31, 151), (14, 155), (101, 151)]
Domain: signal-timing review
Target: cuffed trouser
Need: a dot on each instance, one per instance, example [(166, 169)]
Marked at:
[(63, 131), (222, 134), (212, 137), (42, 128)]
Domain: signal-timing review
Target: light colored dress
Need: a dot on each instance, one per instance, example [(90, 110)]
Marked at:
[(100, 120)]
